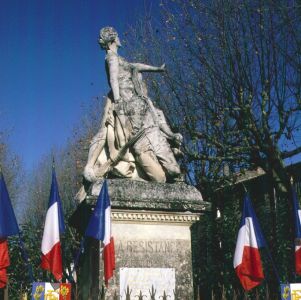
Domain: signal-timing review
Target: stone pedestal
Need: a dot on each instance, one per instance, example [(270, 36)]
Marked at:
[(151, 228)]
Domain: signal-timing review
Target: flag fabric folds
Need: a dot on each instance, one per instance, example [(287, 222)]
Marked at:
[(297, 214), (54, 226), (4, 262), (99, 228), (8, 226), (247, 262), (8, 222)]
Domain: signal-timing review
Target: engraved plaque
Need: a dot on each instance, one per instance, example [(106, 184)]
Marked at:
[(139, 281)]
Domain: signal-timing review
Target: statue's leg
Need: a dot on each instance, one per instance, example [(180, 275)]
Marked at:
[(150, 165), (120, 130), (169, 163), (95, 150), (163, 152)]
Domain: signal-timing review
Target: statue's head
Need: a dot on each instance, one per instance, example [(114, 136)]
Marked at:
[(107, 36)]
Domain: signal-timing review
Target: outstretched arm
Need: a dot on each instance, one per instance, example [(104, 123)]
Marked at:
[(148, 68)]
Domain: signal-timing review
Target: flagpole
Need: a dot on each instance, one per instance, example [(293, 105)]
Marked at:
[(25, 257), (296, 209), (273, 264), (77, 256), (51, 247), (268, 252), (61, 241)]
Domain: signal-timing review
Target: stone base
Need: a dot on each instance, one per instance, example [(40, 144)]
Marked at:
[(154, 240), (151, 229)]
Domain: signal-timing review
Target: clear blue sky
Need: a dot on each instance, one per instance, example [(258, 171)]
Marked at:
[(50, 63)]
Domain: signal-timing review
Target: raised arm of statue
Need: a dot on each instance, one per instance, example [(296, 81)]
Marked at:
[(113, 67), (148, 68)]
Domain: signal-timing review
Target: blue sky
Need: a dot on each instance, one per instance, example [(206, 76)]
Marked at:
[(50, 64)]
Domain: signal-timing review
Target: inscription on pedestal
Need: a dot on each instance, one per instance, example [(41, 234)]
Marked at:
[(141, 253), (155, 245), (147, 246)]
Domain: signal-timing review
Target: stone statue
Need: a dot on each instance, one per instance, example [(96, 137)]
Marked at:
[(134, 140)]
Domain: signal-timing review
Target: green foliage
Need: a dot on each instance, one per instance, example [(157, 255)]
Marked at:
[(11, 167), (215, 239)]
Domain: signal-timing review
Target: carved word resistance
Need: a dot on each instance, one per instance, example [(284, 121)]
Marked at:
[(147, 246)]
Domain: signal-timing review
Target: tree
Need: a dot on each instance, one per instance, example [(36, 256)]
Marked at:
[(233, 90), (233, 82), (11, 166)]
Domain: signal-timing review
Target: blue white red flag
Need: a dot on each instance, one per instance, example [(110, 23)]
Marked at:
[(54, 226), (247, 262), (8, 222), (99, 228), (4, 262), (297, 214), (8, 226)]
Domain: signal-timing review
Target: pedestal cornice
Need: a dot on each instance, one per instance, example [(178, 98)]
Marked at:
[(154, 217)]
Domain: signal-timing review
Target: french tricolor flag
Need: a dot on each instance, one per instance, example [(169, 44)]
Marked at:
[(100, 228), (54, 225), (247, 262), (297, 214), (8, 227)]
